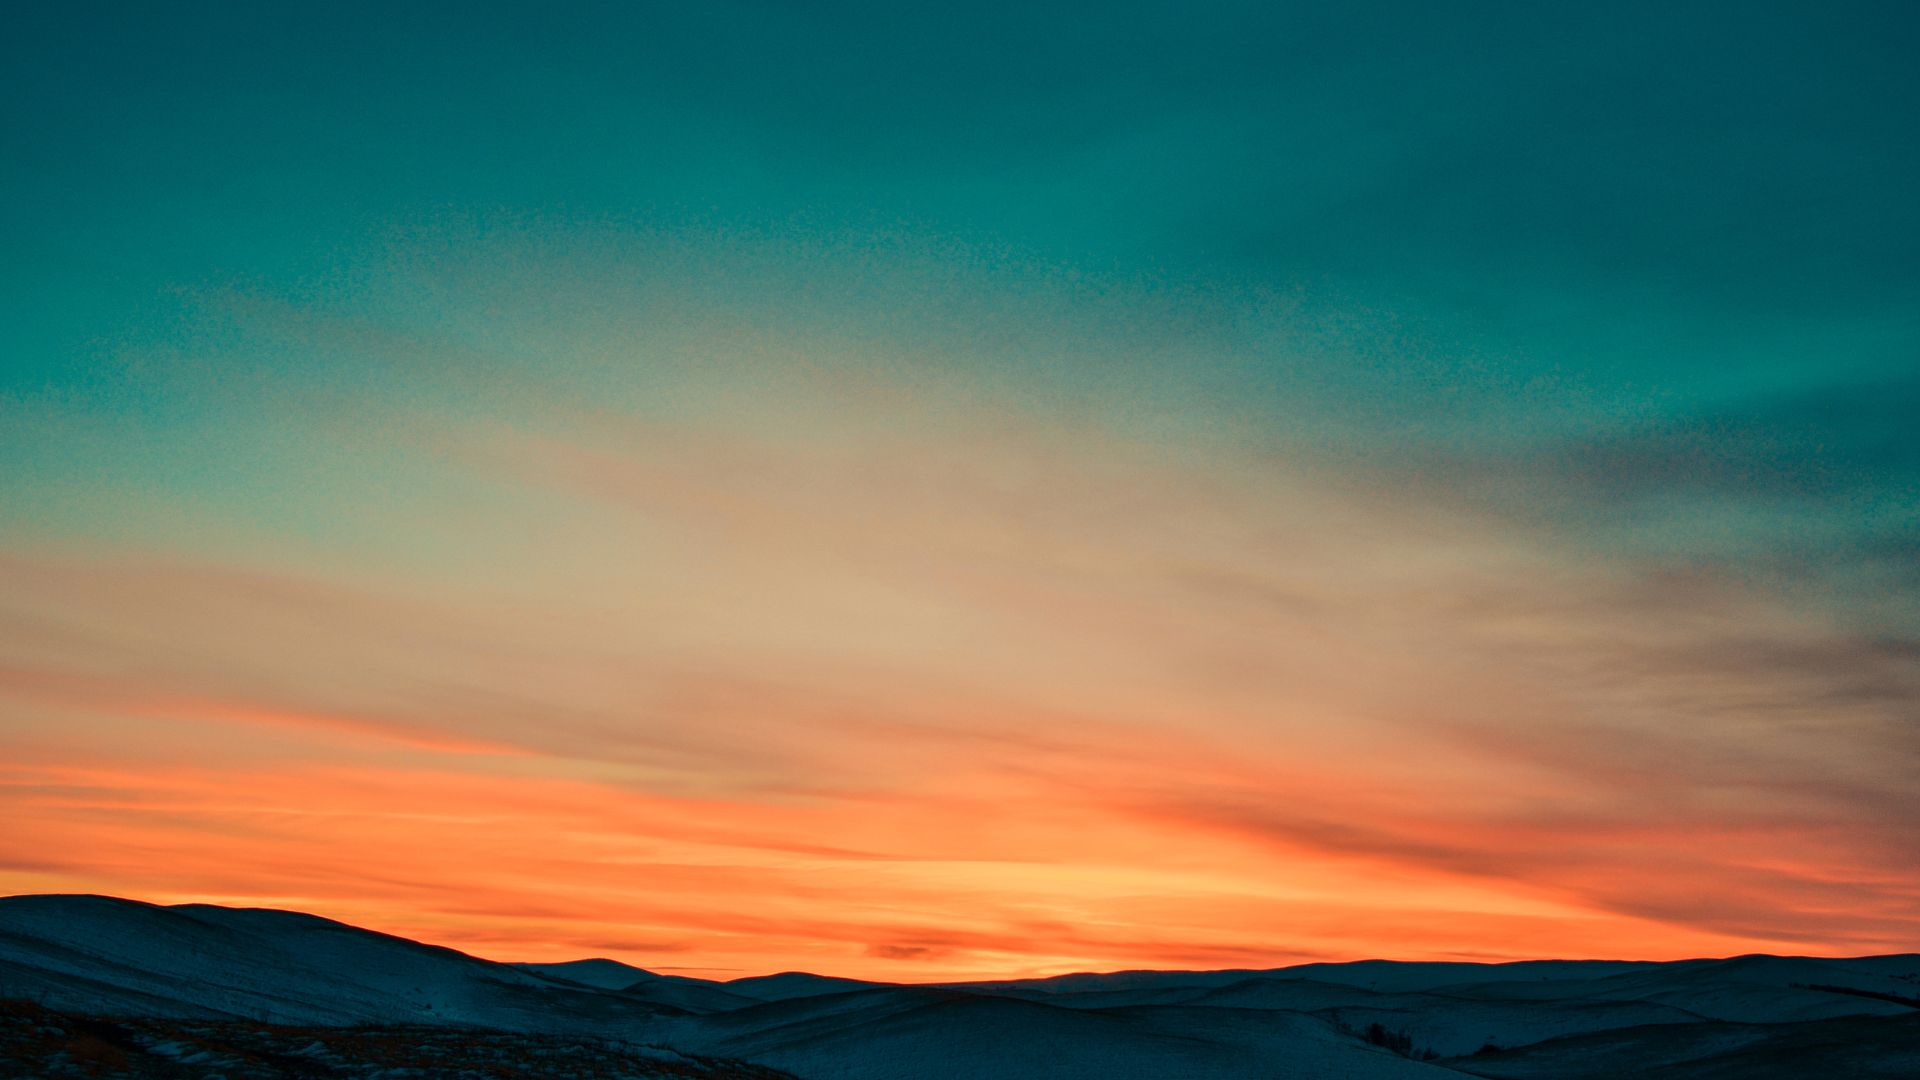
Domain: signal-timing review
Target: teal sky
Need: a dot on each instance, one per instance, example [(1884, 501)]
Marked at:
[(1097, 361), (1650, 253)]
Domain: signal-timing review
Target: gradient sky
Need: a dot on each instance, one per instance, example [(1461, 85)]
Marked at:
[(918, 494)]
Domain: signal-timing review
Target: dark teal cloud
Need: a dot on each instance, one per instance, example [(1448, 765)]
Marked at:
[(1633, 258)]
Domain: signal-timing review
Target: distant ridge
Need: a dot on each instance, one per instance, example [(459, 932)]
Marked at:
[(598, 972), (207, 965), (797, 984)]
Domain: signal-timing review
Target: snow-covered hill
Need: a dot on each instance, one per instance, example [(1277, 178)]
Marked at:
[(691, 995), (263, 973)]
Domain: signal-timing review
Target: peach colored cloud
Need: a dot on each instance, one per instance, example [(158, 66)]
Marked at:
[(900, 685)]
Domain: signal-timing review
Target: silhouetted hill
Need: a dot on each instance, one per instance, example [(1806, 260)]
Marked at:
[(195, 990)]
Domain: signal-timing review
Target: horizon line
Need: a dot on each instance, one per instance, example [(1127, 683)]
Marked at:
[(955, 983)]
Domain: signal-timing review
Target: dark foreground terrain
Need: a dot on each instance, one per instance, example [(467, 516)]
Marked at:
[(99, 987), (37, 1042)]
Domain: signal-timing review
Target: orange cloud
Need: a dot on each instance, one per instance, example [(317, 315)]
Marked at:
[(927, 692)]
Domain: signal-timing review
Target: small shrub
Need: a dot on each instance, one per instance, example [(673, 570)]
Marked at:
[(1397, 1041)]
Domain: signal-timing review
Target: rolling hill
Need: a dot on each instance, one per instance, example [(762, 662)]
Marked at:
[(161, 991)]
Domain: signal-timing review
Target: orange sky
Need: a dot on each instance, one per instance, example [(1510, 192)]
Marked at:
[(920, 491), (990, 871), (743, 705)]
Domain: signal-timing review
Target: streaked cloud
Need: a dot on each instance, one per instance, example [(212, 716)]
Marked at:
[(1223, 490)]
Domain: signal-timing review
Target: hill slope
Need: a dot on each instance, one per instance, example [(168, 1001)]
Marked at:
[(225, 986)]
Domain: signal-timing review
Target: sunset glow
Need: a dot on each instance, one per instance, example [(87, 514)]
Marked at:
[(688, 507)]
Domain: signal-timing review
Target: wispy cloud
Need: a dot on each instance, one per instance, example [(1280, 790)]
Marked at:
[(1153, 491), (950, 687)]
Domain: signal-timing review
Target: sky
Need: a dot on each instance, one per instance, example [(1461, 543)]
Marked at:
[(921, 492)]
